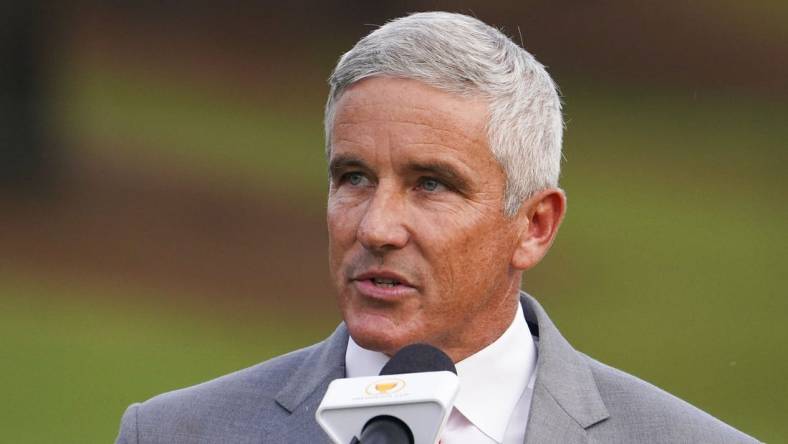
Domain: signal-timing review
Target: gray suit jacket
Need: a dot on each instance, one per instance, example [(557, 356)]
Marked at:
[(576, 400)]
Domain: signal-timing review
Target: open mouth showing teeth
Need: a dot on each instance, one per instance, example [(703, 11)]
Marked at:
[(380, 282)]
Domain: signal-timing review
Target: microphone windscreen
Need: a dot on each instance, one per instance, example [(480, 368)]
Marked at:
[(417, 358)]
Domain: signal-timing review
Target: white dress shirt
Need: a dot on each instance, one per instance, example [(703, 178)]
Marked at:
[(496, 386)]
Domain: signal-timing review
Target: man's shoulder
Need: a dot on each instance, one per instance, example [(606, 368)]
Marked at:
[(236, 406), (640, 411), (260, 380)]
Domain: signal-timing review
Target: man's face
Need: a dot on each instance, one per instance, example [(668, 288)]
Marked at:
[(420, 249)]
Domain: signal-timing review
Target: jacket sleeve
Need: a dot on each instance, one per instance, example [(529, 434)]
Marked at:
[(128, 426)]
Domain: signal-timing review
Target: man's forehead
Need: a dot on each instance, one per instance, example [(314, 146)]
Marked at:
[(411, 103)]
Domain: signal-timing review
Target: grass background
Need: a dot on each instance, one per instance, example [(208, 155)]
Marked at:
[(76, 355)]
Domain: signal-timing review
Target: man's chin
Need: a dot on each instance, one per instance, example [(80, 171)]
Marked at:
[(378, 339)]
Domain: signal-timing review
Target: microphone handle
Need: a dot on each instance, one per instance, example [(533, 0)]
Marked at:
[(384, 430)]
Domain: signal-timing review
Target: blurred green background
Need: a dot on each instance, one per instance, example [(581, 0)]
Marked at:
[(161, 213)]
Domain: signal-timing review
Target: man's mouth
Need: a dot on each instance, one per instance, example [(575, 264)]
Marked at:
[(383, 282)]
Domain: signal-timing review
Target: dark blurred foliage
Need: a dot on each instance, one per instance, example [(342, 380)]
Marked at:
[(702, 44), (23, 115)]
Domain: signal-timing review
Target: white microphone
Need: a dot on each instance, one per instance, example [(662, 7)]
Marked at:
[(408, 403)]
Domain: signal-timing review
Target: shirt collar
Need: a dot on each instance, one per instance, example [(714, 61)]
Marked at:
[(362, 362), (491, 380)]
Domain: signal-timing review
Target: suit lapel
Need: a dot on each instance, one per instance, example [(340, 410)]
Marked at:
[(566, 400), (548, 422), (324, 363)]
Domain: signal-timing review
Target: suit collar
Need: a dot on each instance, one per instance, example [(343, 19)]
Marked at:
[(564, 382), (324, 363), (565, 392)]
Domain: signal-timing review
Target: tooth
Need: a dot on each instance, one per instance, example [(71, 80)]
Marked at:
[(383, 282)]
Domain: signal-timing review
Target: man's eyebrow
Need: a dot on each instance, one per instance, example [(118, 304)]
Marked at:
[(343, 162), (441, 170)]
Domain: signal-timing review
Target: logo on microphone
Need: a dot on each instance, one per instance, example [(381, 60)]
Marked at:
[(385, 387)]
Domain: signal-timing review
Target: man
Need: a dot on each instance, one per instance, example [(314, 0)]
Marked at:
[(444, 144)]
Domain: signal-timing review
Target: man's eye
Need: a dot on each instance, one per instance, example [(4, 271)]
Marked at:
[(354, 179), (429, 184)]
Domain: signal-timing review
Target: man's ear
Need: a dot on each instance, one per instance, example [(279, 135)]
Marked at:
[(539, 218)]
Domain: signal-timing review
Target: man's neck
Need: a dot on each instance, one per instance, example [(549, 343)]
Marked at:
[(479, 333)]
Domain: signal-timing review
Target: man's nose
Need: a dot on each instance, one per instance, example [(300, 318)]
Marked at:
[(383, 227)]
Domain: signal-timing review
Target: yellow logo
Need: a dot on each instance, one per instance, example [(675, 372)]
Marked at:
[(385, 387)]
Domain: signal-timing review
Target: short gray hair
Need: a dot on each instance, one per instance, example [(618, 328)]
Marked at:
[(462, 55)]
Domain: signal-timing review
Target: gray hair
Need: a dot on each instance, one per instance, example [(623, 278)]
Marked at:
[(462, 55)]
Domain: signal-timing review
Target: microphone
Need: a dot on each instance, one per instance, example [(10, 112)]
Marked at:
[(409, 402), (418, 358)]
